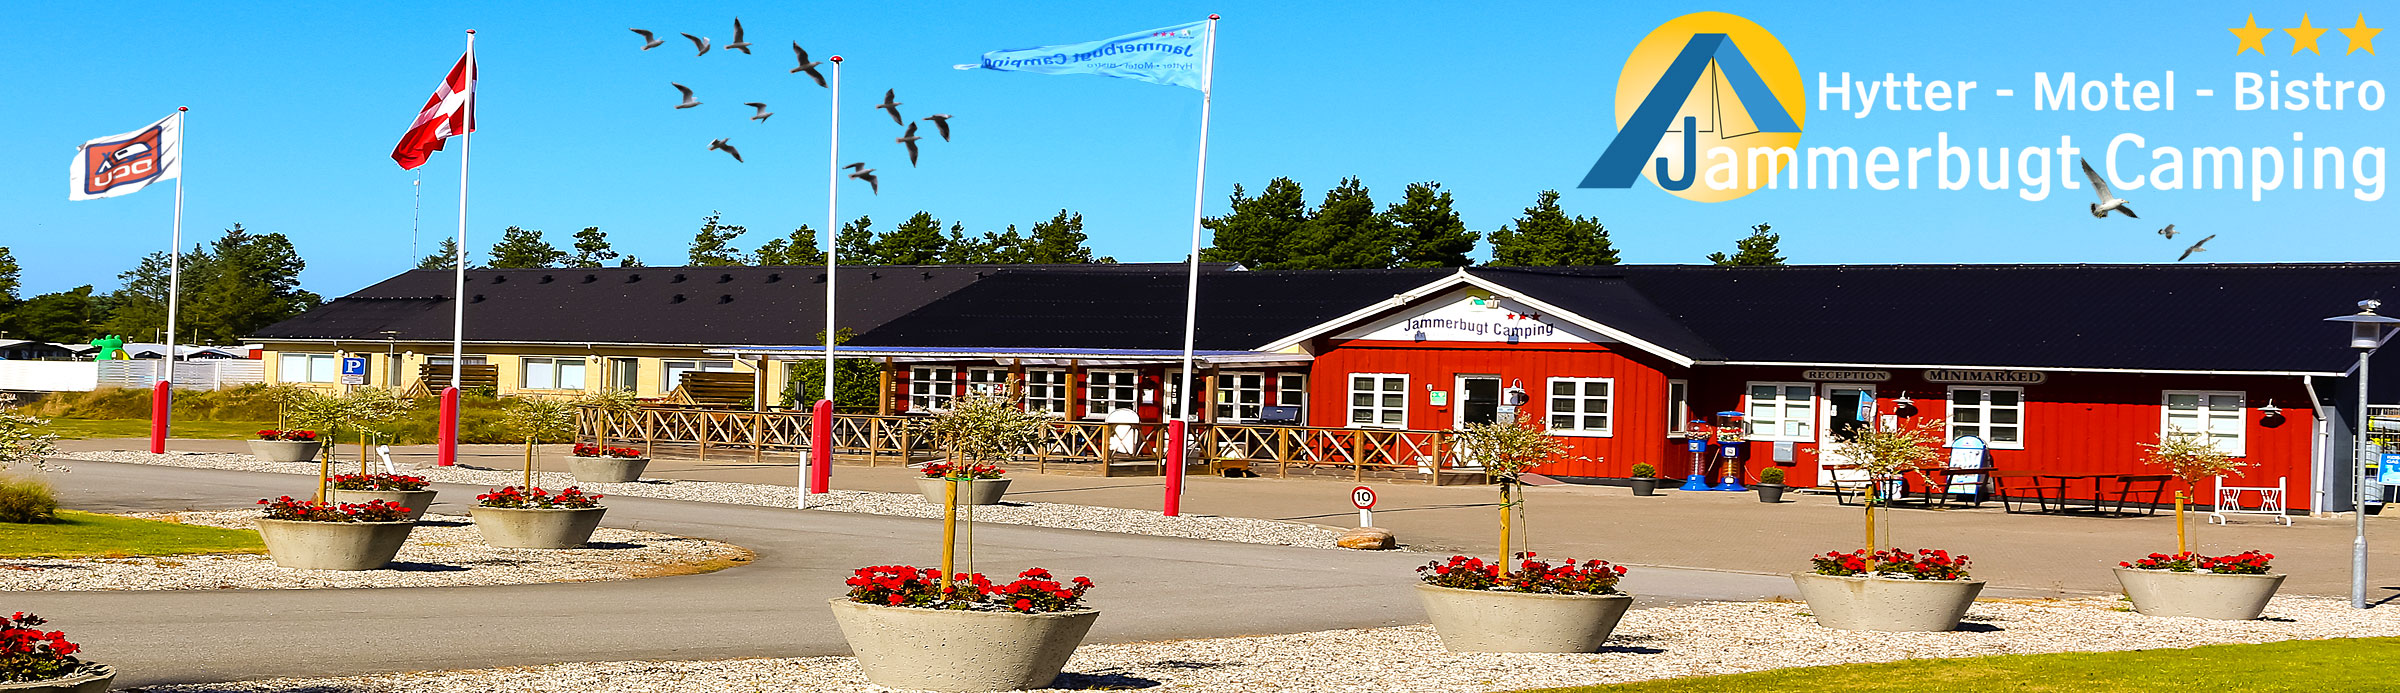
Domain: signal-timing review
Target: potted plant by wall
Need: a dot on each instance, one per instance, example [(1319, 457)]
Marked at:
[(2235, 587), (1539, 607), (913, 629), (1891, 590), (33, 660), (1645, 479), (594, 464), (538, 420), (978, 484), (532, 518), (410, 492), (1770, 485), (323, 536), (285, 445)]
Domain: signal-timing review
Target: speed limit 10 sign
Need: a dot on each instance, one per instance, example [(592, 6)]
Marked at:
[(1363, 497)]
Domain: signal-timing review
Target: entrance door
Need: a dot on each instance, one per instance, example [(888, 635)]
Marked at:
[(1478, 400), (1847, 408)]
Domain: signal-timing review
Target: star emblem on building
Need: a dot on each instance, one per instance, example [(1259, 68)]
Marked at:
[(2361, 36), (2253, 37), (2305, 36)]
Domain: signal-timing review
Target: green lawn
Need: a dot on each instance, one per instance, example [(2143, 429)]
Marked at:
[(86, 535), (78, 429), (2299, 665)]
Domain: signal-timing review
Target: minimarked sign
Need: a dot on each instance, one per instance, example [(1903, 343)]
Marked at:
[(1364, 498), (354, 370)]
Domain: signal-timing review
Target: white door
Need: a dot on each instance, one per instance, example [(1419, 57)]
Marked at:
[(1846, 406)]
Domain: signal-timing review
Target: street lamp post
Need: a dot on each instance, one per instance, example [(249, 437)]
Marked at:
[(2366, 333)]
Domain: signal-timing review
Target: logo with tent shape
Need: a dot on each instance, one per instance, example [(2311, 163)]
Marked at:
[(124, 162), (1709, 108)]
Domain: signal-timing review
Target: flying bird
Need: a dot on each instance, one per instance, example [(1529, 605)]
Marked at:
[(653, 40), (806, 66), (720, 144), (2169, 231), (699, 42), (865, 174), (910, 139), (738, 44), (2187, 252), (892, 106), (762, 110), (941, 121), (2109, 202), (688, 101)]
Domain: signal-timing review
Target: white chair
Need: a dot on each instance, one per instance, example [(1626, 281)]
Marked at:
[(2229, 502)]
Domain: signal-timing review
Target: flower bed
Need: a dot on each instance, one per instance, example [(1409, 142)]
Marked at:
[(512, 497), (939, 470), (1531, 576), (378, 482), (1925, 564), (1888, 590), (1034, 591), (911, 631), (333, 536), (2235, 587), (537, 519), (300, 435), (589, 450), (286, 508), (1539, 607), (2244, 563), (28, 653)]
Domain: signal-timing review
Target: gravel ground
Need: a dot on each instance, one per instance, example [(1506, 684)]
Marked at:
[(443, 551), (1055, 515), (1701, 639)]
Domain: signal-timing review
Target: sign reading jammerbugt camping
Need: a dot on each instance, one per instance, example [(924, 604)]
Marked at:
[(1967, 376)]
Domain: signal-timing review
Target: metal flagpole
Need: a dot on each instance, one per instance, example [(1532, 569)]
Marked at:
[(163, 398), (816, 469), (458, 302), (1191, 300)]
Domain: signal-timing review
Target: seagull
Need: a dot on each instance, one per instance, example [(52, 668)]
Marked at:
[(910, 139), (738, 44), (700, 42), (2169, 231), (2187, 252), (890, 105), (688, 101), (806, 66), (653, 40), (2108, 201), (941, 121), (762, 110), (865, 174), (720, 144)]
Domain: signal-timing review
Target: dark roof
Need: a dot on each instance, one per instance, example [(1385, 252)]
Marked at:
[(1067, 305)]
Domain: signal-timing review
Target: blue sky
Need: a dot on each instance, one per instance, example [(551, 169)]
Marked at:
[(295, 109)]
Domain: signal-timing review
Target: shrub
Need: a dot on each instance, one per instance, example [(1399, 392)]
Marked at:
[(1771, 475), (511, 497), (1644, 471), (1034, 591), (28, 653), (378, 482), (26, 500), (1925, 564), (285, 508), (1531, 576), (938, 470)]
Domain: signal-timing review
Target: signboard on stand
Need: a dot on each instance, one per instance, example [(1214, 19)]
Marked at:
[(354, 370), (1364, 499)]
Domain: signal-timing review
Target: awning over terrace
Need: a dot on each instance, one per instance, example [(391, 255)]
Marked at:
[(1022, 356)]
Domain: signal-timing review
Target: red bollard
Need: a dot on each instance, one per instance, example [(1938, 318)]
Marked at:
[(820, 447), (162, 402), (447, 448), (1174, 453)]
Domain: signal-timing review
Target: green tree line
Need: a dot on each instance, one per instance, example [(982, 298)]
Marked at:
[(232, 286)]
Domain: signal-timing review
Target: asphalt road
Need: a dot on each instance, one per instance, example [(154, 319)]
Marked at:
[(1150, 588)]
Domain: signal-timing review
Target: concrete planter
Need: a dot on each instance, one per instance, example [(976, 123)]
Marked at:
[(1863, 603), (415, 501), (607, 470), (970, 492), (333, 545), (943, 650), (1645, 486), (286, 450), (2199, 595), (1489, 621), (536, 528), (90, 678), (1769, 493)]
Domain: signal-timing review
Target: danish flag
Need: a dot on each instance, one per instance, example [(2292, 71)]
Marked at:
[(451, 111)]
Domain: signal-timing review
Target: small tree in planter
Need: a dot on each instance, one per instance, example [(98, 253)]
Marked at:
[(324, 536), (1770, 485), (978, 484), (976, 429), (370, 408), (2236, 587), (1506, 449), (532, 518), (325, 414), (1893, 454), (537, 420), (1645, 479), (599, 463), (1890, 590), (33, 660), (917, 628), (411, 492), (1539, 607), (2191, 458)]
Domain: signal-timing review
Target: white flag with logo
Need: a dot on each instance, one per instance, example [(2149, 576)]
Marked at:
[(121, 164)]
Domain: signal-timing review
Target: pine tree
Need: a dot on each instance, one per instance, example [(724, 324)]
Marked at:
[(1254, 233), (800, 248), (1347, 231), (591, 249), (713, 245), (8, 275), (1427, 232), (67, 316), (918, 241), (243, 282), (524, 249), (1755, 250), (445, 256), (1546, 236), (139, 305), (1058, 241), (855, 245)]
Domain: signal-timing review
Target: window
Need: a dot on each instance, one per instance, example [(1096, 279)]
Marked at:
[(444, 360), (986, 381), (1046, 390), (1107, 391), (1579, 406), (550, 373), (2217, 415), (1378, 400), (930, 388), (307, 368), (1679, 407), (1291, 390), (671, 372), (1995, 414), (1782, 411), (1241, 397), (624, 374)]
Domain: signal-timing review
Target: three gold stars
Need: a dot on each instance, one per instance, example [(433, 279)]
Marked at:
[(2304, 37)]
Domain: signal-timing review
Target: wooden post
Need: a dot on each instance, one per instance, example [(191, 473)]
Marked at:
[(1074, 393), (758, 436), (883, 388), (1358, 461), (1108, 453), (1439, 441), (1283, 452), (705, 420), (1869, 495), (949, 528)]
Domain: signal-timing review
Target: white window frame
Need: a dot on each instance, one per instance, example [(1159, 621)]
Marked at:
[(1046, 390), (986, 381), (1376, 406), (932, 388), (308, 367), (1982, 429), (1783, 403), (2237, 445), (669, 371), (1679, 407), (1120, 389), (1287, 394), (557, 367), (1582, 398), (1229, 408)]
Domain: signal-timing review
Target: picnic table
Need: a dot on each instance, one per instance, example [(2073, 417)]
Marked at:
[(2051, 487)]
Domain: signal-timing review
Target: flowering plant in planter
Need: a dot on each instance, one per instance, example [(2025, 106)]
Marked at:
[(294, 434), (1034, 591), (1531, 576), (589, 450), (971, 470), (2244, 563), (378, 482), (28, 653), (286, 508), (512, 497), (1924, 564), (2191, 457)]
